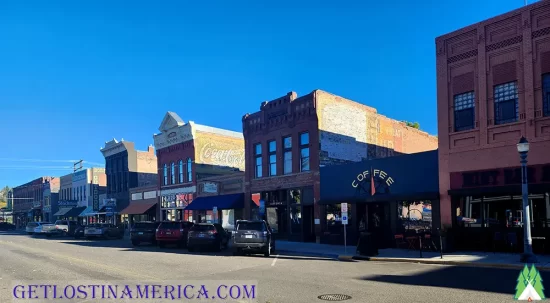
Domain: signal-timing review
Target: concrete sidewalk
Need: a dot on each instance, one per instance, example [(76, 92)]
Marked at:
[(477, 259)]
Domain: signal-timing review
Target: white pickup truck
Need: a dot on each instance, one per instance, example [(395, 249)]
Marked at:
[(46, 229)]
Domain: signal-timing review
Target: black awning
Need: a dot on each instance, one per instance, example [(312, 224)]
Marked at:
[(233, 201), (74, 212), (382, 198)]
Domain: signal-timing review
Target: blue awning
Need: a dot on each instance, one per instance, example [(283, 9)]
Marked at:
[(233, 201)]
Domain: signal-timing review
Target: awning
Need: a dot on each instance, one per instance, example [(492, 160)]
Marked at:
[(233, 201), (138, 208), (62, 211), (87, 212), (74, 212)]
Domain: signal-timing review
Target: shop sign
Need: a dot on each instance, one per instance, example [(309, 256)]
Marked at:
[(262, 207), (109, 202), (365, 176), (67, 204), (500, 177), (95, 196), (176, 200), (210, 187)]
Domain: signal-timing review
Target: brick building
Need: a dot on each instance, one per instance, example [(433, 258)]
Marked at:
[(493, 87), (187, 152), (143, 204), (291, 137), (50, 196), (27, 201), (125, 168)]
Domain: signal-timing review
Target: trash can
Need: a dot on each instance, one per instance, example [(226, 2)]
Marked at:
[(367, 244)]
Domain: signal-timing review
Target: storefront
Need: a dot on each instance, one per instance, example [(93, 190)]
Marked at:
[(487, 207), (173, 203), (64, 207), (386, 197), (223, 209), (142, 207)]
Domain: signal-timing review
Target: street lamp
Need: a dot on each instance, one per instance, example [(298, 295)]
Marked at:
[(527, 256)]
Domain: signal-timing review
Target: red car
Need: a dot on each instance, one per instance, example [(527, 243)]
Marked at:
[(170, 232)]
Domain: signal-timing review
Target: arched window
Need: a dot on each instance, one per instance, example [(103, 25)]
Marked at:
[(189, 170), (173, 173), (181, 171), (165, 174)]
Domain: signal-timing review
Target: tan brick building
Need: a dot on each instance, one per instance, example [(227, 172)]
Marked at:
[(291, 137), (493, 87), (187, 152)]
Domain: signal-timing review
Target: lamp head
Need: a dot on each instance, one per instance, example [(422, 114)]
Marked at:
[(523, 145)]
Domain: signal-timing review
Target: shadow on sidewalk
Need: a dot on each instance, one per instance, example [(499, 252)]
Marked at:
[(13, 233), (494, 280)]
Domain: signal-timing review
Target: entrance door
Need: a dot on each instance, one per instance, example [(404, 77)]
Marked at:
[(308, 223), (376, 223)]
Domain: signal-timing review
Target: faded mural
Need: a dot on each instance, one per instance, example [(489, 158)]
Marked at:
[(219, 150)]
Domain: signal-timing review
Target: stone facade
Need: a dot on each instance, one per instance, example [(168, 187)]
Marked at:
[(513, 47)]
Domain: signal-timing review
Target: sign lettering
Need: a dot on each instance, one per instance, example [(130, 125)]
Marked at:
[(376, 174), (211, 155), (95, 196)]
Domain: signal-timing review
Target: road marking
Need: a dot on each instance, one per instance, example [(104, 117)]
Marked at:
[(108, 268), (274, 260)]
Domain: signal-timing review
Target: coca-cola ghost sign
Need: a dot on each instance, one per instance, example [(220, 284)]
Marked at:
[(214, 155)]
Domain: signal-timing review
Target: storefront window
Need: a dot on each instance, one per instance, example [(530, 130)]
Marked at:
[(295, 196), (295, 219), (334, 217), (415, 215)]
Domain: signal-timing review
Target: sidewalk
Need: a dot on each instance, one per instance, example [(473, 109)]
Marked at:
[(478, 259)]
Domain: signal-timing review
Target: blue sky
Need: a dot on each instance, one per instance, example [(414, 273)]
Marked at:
[(74, 74)]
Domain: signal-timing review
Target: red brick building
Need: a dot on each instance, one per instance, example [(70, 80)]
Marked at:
[(27, 201), (493, 87), (291, 137), (187, 152)]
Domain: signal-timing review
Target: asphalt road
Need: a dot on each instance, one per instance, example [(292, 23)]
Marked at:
[(283, 278)]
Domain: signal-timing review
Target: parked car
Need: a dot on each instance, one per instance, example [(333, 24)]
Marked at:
[(79, 232), (207, 235), (143, 232), (254, 236), (31, 226), (103, 230), (6, 226), (170, 232), (47, 229), (66, 227)]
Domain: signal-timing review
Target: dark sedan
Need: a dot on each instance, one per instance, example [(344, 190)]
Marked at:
[(143, 232), (208, 236)]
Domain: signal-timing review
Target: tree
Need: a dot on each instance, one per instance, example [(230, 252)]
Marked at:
[(523, 280), (537, 282), (412, 124)]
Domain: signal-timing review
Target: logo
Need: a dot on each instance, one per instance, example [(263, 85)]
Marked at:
[(373, 181), (211, 155), (529, 287)]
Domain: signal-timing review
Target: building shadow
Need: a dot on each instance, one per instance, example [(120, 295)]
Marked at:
[(496, 280), (13, 233)]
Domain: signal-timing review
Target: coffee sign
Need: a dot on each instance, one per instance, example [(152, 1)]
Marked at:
[(211, 154), (376, 173)]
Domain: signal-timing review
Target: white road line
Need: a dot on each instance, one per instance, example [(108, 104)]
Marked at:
[(274, 260)]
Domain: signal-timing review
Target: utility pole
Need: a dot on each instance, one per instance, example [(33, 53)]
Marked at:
[(77, 166)]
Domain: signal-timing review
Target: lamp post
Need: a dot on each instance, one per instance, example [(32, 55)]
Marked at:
[(527, 256)]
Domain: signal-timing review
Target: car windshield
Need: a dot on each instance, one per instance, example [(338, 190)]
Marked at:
[(170, 225), (203, 227), (259, 226), (144, 225), (59, 222)]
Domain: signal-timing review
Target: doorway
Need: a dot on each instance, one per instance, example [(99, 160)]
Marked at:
[(377, 224), (308, 223)]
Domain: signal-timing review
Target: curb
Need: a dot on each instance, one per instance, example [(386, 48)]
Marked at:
[(307, 254), (443, 262)]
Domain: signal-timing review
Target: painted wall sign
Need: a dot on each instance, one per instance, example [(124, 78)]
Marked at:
[(95, 193), (377, 174), (212, 154), (137, 196), (500, 177), (182, 134), (80, 175), (66, 203), (210, 187), (150, 194)]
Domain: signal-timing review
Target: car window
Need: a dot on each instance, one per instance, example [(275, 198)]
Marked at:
[(257, 226), (60, 222), (32, 225), (170, 225), (203, 227)]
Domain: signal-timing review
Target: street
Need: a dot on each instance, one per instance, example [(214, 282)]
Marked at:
[(281, 278)]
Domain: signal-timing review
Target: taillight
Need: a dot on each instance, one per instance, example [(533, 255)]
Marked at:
[(213, 232)]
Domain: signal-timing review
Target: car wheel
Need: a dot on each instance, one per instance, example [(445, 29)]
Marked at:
[(64, 233), (135, 243), (267, 253)]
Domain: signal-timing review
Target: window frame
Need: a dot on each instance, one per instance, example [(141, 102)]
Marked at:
[(545, 94), (165, 174), (181, 172), (287, 151), (499, 101), (304, 146), (462, 103), (272, 157), (189, 170), (258, 168), (173, 173)]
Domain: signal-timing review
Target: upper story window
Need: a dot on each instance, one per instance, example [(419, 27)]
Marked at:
[(464, 111), (189, 170), (546, 95), (258, 160), (304, 152), (173, 173), (272, 158), (506, 103), (181, 171), (287, 163), (165, 174)]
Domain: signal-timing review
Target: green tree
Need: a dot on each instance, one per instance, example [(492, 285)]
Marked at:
[(523, 280), (412, 124), (537, 282)]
